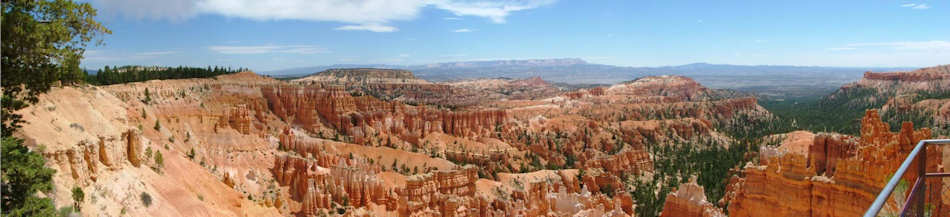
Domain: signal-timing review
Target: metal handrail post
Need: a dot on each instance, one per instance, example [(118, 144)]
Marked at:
[(886, 192), (922, 178), (892, 183)]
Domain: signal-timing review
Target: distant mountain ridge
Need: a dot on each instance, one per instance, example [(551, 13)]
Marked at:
[(920, 96), (363, 76), (496, 63), (578, 71), (368, 72), (311, 70)]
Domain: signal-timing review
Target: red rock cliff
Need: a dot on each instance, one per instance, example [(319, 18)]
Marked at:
[(358, 116), (689, 201), (837, 177), (924, 74)]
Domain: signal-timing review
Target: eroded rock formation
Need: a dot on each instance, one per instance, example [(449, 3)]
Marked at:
[(626, 162), (838, 176), (362, 117), (133, 147), (689, 200), (307, 148), (924, 74), (443, 191), (318, 187)]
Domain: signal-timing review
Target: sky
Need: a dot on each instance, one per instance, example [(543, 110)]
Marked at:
[(266, 35)]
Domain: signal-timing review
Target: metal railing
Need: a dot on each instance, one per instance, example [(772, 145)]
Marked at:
[(914, 203)]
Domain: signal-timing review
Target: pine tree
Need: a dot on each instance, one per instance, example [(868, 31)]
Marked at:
[(24, 174), (42, 43), (148, 97)]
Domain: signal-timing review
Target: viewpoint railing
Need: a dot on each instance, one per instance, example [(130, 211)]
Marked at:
[(914, 205)]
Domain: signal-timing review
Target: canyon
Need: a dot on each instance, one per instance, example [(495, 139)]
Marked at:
[(829, 174), (380, 142)]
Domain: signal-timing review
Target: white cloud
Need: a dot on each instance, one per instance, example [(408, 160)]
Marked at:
[(841, 48), (451, 18), (898, 53), (497, 11), (936, 45), (921, 6), (264, 49), (368, 27), (356, 12), (368, 15), (463, 30)]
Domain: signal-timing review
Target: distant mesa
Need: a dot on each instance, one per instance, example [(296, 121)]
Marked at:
[(579, 71), (363, 75), (661, 79), (923, 74), (532, 81), (367, 73)]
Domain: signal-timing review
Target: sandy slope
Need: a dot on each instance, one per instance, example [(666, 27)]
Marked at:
[(71, 118)]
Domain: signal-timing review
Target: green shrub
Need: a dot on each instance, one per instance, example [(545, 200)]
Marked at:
[(146, 199), (24, 174), (159, 160), (78, 197), (191, 154)]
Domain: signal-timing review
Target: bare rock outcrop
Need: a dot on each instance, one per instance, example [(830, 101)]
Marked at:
[(318, 187), (632, 161), (924, 74), (363, 117), (442, 191), (133, 147), (363, 75), (689, 201), (839, 176), (104, 153)]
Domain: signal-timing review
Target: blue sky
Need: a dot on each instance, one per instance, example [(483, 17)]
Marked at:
[(276, 34)]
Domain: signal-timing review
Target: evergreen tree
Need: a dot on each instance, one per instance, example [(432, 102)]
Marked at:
[(24, 174), (148, 97), (159, 160), (43, 42), (78, 197), (125, 74)]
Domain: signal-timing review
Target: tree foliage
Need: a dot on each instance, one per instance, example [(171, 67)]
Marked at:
[(125, 74), (708, 160), (159, 159), (43, 42), (78, 196), (25, 174), (146, 199), (839, 112)]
